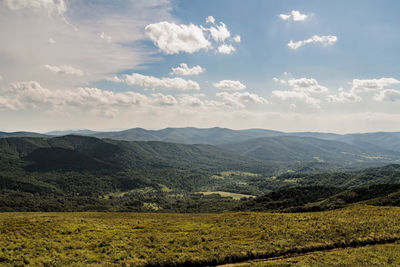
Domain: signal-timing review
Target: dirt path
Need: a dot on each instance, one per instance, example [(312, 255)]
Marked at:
[(317, 249)]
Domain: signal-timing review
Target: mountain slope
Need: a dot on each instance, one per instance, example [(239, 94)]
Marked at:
[(188, 135), (306, 149), (381, 141), (21, 134)]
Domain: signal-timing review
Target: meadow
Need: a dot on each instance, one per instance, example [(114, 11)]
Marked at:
[(166, 239), (374, 255)]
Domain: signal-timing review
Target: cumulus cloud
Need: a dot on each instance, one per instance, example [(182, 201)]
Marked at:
[(360, 86), (324, 40), (294, 15), (363, 86), (172, 38), (105, 37), (277, 80), (388, 95), (303, 89), (164, 100), (240, 100), (306, 85), (184, 70), (226, 49), (64, 69), (297, 95), (229, 85), (219, 33), (51, 41), (154, 82), (343, 96), (285, 17), (189, 100), (210, 19), (24, 95)]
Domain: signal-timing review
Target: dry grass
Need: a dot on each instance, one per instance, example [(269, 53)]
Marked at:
[(107, 239)]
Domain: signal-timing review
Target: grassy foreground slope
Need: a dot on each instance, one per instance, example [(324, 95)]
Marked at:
[(375, 255), (108, 239)]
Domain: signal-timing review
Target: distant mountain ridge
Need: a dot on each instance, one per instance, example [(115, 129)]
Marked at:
[(21, 134), (378, 143), (303, 149)]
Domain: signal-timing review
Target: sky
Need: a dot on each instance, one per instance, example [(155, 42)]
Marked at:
[(299, 65)]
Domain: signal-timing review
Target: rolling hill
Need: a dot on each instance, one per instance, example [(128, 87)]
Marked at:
[(189, 135), (308, 149)]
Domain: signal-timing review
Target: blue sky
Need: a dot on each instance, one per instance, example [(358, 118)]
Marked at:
[(299, 65)]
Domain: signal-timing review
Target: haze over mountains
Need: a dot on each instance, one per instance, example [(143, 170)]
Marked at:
[(260, 143)]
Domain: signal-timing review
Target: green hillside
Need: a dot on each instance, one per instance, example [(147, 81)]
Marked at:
[(87, 173), (188, 135), (307, 149)]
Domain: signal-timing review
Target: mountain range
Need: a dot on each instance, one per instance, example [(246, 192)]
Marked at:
[(122, 170), (379, 141)]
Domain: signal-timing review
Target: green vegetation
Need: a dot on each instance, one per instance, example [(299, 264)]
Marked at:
[(220, 186), (308, 149), (374, 255), (75, 173), (71, 239)]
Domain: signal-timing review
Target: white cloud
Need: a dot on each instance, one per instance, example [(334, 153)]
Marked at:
[(25, 95), (210, 19), (219, 33), (306, 85), (105, 37), (360, 86), (297, 16), (277, 80), (285, 17), (388, 95), (164, 100), (69, 70), (343, 96), (184, 70), (172, 38), (303, 89), (294, 15), (324, 40), (77, 42), (58, 7), (229, 85), (154, 82), (364, 86), (297, 95), (239, 100), (189, 100), (1, 78), (226, 49)]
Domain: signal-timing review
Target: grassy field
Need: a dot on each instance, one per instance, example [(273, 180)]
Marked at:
[(376, 255), (235, 196), (108, 239)]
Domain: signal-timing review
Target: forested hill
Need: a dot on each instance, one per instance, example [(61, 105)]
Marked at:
[(303, 149), (80, 172), (72, 152)]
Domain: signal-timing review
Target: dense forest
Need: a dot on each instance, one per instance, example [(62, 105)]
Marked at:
[(285, 173)]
